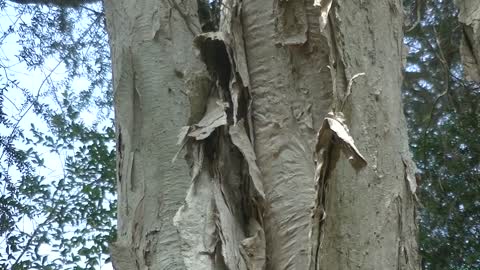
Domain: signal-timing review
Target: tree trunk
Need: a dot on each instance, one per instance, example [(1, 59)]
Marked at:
[(469, 16), (291, 119)]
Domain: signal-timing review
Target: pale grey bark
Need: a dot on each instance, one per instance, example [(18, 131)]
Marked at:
[(275, 182), (291, 90), (370, 220), (151, 44), (469, 16)]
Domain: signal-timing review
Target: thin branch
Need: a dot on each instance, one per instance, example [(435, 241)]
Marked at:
[(50, 217), (349, 89), (15, 128), (446, 71), (418, 8), (59, 3)]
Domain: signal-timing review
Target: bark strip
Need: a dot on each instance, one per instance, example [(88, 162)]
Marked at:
[(332, 135), (371, 211), (151, 51), (228, 179)]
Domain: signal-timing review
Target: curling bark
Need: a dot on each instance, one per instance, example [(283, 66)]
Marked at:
[(291, 120)]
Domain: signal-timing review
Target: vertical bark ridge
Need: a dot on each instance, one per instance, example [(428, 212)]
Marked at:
[(469, 47), (148, 62), (291, 92), (370, 221)]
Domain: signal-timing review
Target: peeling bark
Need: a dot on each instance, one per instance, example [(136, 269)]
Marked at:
[(332, 136), (291, 93), (370, 213), (151, 49), (229, 168), (292, 125)]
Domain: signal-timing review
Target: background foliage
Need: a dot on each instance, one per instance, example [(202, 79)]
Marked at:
[(57, 160), (57, 155), (443, 113)]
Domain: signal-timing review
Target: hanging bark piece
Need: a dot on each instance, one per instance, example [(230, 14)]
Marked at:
[(328, 30), (194, 221), (325, 6), (210, 238), (409, 175), (197, 214), (235, 94), (236, 75), (198, 155), (253, 248), (236, 82), (240, 140), (229, 230), (333, 132), (410, 168), (183, 135), (229, 151), (214, 117), (182, 141), (198, 86), (231, 25)]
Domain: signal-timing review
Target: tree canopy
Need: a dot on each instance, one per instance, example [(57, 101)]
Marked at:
[(443, 116), (57, 159)]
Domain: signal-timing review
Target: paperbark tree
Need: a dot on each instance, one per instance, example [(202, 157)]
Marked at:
[(469, 16), (291, 119)]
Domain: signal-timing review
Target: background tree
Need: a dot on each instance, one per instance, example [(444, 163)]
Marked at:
[(64, 219), (442, 111)]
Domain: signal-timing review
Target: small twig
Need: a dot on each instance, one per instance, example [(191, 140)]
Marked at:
[(349, 89), (98, 13), (418, 7), (11, 102), (441, 56), (10, 138)]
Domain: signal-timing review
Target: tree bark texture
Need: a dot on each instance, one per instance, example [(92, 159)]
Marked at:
[(469, 16), (291, 122)]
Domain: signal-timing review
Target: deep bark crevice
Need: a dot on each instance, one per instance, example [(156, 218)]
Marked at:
[(227, 162), (209, 14), (241, 201)]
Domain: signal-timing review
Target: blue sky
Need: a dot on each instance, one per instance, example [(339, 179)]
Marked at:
[(35, 81)]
